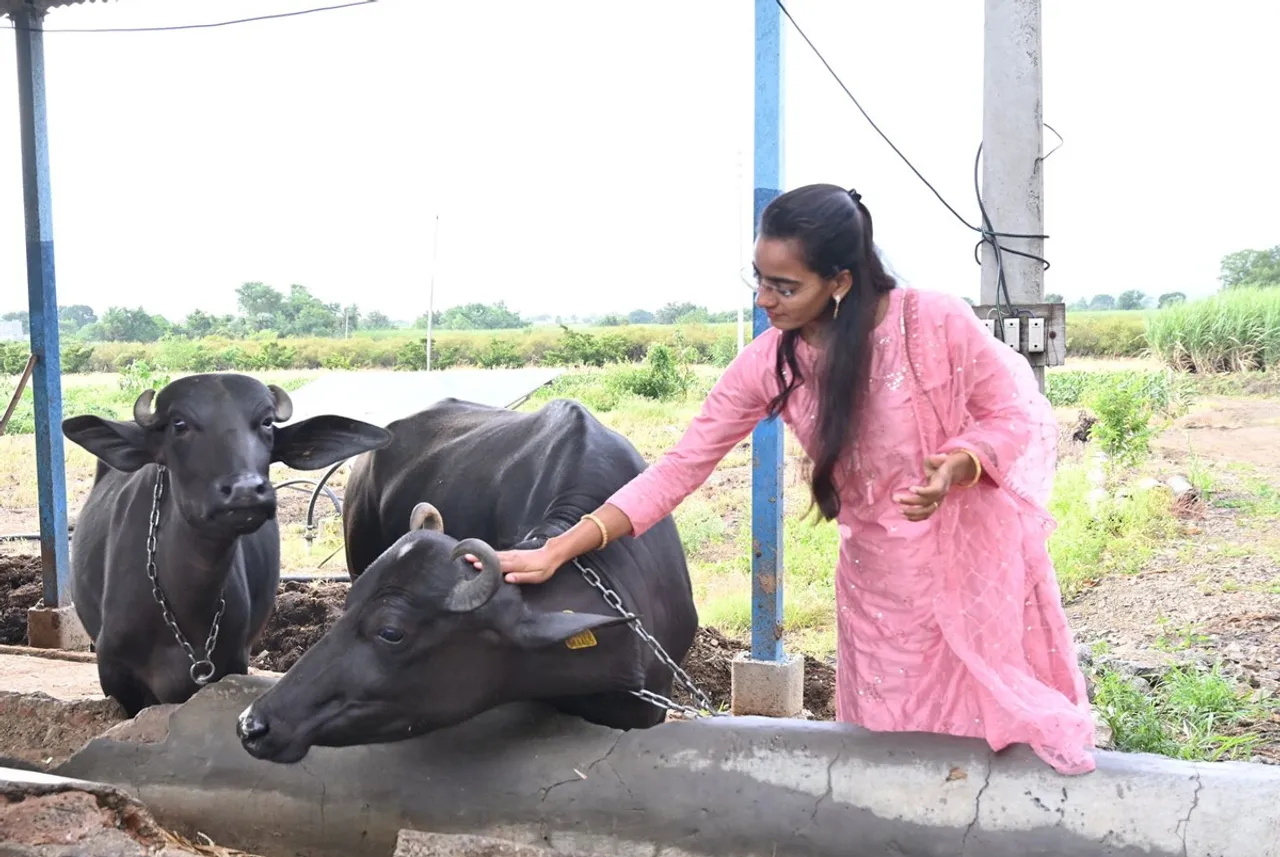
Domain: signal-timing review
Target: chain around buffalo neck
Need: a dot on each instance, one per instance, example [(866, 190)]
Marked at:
[(615, 601), (202, 669)]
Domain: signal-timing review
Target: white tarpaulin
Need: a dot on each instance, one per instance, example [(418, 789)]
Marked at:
[(382, 397)]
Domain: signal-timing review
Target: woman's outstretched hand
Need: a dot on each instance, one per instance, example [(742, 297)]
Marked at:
[(941, 472), (536, 565)]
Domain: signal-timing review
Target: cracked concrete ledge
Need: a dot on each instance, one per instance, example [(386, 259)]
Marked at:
[(740, 786)]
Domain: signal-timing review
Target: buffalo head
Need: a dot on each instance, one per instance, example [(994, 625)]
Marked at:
[(425, 642), (217, 434)]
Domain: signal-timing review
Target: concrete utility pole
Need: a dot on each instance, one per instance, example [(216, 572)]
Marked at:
[(431, 290), (1013, 181)]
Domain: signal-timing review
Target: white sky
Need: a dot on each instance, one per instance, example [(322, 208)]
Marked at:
[(589, 156)]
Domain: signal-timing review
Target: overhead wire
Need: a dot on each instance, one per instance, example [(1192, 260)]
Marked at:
[(204, 26), (987, 230)]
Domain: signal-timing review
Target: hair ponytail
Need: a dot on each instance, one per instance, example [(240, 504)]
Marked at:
[(834, 229)]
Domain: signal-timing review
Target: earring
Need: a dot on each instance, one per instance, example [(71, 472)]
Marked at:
[(836, 313)]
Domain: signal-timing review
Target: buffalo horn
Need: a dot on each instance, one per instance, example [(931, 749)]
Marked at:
[(142, 414), (473, 590), (426, 517), (284, 405)]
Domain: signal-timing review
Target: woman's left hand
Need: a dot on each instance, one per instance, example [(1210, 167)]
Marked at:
[(942, 471)]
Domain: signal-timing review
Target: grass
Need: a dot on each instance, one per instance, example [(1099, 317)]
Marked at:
[(1117, 537), (1115, 534), (1233, 331), (1089, 334), (1190, 714)]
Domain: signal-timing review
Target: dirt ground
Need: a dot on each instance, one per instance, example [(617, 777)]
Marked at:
[(44, 732), (20, 590), (1213, 595), (305, 611)]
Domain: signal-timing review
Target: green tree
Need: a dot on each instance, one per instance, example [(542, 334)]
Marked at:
[(120, 324), (72, 319), (640, 316), (1131, 299), (478, 316), (1169, 299), (260, 304), (1102, 302), (22, 316), (1053, 298), (673, 312), (1251, 268), (377, 321)]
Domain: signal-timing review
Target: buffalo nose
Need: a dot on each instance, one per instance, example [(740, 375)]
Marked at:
[(244, 488), (249, 726)]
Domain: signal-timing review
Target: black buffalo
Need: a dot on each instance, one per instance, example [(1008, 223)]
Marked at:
[(426, 641), (196, 472)]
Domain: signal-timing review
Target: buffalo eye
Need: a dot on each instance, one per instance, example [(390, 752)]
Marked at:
[(179, 426), (268, 422), (390, 635)]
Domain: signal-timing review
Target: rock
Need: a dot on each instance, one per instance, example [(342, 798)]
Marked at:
[(1084, 656), (414, 843), (45, 816), (1103, 735)]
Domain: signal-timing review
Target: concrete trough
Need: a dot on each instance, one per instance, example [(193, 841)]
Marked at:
[(746, 787)]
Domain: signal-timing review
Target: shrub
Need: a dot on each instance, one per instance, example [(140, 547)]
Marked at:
[(1123, 409), (662, 378), (576, 348), (139, 377)]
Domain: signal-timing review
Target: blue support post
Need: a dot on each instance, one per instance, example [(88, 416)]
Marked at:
[(46, 380), (767, 438)]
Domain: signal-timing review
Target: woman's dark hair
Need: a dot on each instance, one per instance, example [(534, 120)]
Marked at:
[(833, 229)]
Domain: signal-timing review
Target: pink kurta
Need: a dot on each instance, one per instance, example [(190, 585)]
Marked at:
[(952, 625)]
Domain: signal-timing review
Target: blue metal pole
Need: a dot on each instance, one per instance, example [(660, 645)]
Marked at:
[(46, 379), (767, 438)]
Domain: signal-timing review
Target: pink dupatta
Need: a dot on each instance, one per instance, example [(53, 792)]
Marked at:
[(1000, 608)]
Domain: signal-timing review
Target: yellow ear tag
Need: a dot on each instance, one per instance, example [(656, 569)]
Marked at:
[(585, 640)]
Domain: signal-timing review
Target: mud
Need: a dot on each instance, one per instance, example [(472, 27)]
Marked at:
[(41, 732), (20, 590), (303, 613), (86, 820)]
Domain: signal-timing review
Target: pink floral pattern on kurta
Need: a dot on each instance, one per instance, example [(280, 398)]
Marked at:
[(953, 625)]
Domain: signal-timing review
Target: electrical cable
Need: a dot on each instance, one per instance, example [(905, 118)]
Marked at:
[(987, 230), (210, 25)]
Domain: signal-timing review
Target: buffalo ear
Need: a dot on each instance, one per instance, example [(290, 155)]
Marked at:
[(324, 440), (538, 630), (120, 445)]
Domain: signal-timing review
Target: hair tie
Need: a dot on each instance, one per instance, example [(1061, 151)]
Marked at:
[(855, 196)]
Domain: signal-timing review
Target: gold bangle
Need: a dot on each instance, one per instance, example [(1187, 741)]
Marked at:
[(977, 466), (604, 533)]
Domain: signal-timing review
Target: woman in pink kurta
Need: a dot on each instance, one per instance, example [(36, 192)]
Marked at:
[(931, 446)]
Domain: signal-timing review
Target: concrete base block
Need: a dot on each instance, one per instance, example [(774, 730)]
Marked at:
[(767, 688), (57, 628)]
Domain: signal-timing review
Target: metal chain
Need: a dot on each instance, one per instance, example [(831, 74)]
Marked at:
[(202, 669), (615, 601)]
